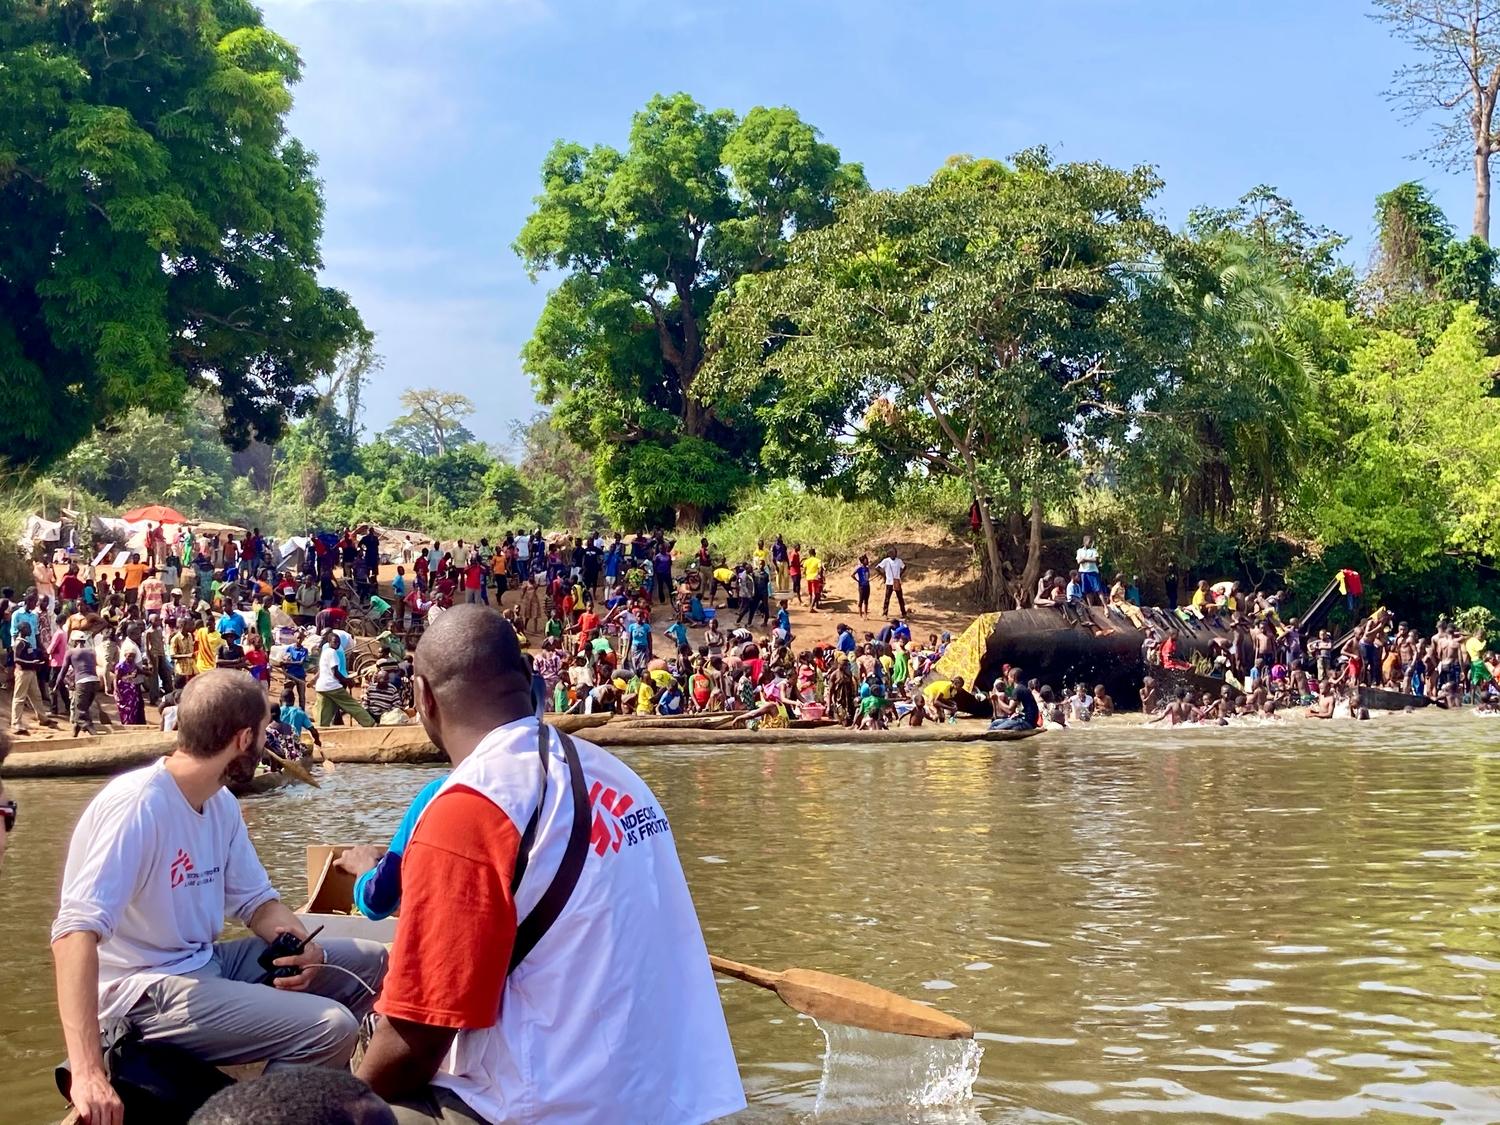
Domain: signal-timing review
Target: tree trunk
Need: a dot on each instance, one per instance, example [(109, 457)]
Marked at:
[(695, 417), (996, 581), (1013, 512), (1482, 190), (689, 517), (1033, 569)]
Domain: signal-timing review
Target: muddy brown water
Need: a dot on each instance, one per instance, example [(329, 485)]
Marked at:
[(1279, 923)]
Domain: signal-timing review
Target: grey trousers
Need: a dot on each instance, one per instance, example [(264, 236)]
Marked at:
[(220, 1014), (437, 1104)]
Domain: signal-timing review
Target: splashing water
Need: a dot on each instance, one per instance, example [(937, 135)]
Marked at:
[(928, 1080)]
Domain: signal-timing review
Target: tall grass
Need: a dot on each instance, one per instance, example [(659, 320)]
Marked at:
[(839, 529)]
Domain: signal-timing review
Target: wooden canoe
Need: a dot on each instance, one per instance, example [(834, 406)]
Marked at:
[(1384, 699), (262, 783)]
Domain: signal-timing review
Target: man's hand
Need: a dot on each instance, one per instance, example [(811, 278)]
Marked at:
[(310, 958), (95, 1099), (359, 859)]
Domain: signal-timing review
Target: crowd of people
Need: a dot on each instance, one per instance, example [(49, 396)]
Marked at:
[(610, 621), (1267, 665), (636, 624)]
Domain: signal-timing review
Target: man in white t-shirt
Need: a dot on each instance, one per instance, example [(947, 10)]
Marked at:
[(333, 682), (1088, 572), (610, 1013), (893, 568), (157, 861)]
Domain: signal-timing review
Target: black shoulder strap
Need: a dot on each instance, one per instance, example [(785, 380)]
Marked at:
[(550, 906), (528, 837)]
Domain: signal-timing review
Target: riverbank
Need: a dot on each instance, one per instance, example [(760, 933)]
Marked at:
[(409, 745)]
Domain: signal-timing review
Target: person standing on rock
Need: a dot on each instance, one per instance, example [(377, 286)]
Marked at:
[(1088, 572)]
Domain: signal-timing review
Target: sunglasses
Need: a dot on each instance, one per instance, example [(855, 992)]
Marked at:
[(8, 814)]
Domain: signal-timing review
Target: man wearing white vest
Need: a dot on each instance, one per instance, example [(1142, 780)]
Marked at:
[(548, 964)]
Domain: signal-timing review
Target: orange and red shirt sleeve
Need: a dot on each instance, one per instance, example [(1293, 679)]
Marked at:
[(458, 920)]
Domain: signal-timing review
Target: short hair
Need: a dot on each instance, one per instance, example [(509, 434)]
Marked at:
[(215, 706), (475, 651), (296, 1095)]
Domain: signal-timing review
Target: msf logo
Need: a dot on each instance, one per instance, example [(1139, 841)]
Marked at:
[(180, 867), (608, 807)]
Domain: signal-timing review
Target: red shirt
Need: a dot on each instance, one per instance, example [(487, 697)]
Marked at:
[(473, 576), (257, 663), (421, 567), (458, 921)]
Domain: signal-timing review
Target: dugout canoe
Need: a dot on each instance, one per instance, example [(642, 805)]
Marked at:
[(410, 745), (262, 783), (1384, 699)]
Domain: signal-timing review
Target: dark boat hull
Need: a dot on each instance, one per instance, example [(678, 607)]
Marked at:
[(1383, 699), (1109, 651)]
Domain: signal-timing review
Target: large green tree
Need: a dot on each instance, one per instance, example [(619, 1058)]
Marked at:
[(158, 227), (649, 240), (997, 325)]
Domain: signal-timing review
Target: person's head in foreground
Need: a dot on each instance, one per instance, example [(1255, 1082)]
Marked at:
[(296, 1095), (221, 718)]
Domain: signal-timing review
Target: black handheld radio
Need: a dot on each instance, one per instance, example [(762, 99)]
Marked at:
[(286, 945)]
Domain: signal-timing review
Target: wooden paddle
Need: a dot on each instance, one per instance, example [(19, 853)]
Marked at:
[(854, 1003), (296, 769)]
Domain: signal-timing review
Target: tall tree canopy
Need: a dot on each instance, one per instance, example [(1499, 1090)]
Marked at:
[(1457, 78), (158, 228), (649, 240), (433, 423), (992, 325)]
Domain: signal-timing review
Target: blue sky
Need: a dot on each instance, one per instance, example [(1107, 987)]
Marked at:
[(431, 118)]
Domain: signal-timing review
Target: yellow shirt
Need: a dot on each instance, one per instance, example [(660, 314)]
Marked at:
[(207, 644), (812, 568), (723, 574), (760, 555), (939, 689), (1200, 599)]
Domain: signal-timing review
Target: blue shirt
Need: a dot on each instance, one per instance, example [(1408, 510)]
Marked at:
[(295, 667), (784, 621), (846, 642), (28, 616), (612, 562), (398, 584), (862, 575), (678, 632), (640, 635), (296, 718), (231, 624), (377, 893)]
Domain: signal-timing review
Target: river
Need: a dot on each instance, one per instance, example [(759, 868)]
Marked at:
[(1294, 921)]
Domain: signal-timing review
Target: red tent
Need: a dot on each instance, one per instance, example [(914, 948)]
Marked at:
[(158, 513)]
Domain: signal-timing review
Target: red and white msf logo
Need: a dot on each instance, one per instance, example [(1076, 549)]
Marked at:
[(618, 823), (180, 867)]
